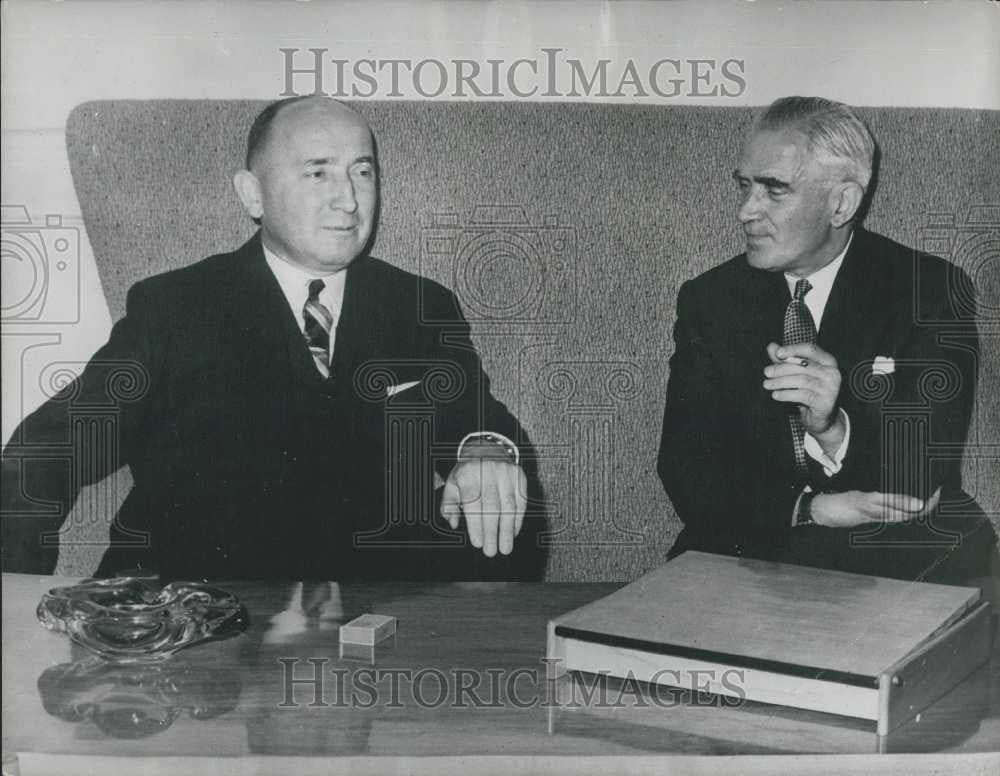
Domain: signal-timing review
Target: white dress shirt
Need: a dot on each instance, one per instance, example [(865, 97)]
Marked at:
[(294, 282)]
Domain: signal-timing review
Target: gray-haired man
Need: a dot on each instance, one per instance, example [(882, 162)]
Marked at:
[(799, 423)]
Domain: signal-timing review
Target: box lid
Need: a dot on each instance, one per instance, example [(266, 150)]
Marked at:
[(757, 613)]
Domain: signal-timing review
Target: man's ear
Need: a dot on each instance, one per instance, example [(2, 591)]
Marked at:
[(846, 199), (248, 190)]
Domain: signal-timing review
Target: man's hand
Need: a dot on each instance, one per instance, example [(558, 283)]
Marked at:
[(492, 494), (852, 507), (808, 376)]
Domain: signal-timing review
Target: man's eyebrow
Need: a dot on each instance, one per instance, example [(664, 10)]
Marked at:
[(367, 159), (772, 183), (765, 180)]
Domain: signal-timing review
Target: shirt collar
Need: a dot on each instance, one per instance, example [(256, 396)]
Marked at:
[(822, 284), (295, 280)]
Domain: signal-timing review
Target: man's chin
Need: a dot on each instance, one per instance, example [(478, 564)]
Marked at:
[(336, 263), (756, 257), (325, 263), (337, 255), (761, 259)]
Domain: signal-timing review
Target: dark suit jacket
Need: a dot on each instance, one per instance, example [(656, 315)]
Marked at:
[(726, 456), (246, 461)]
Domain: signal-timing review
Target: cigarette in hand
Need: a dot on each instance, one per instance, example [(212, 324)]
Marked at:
[(792, 360)]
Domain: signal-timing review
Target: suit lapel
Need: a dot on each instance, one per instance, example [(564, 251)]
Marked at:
[(854, 320), (273, 338), (272, 333), (354, 335), (767, 319), (375, 326), (759, 306)]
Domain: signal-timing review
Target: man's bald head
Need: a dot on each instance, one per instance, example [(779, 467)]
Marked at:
[(262, 129), (311, 182)]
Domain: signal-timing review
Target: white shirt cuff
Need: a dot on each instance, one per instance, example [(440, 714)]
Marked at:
[(795, 509), (831, 465), (491, 436)]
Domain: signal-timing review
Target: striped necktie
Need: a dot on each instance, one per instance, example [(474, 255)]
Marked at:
[(318, 323), (799, 329)]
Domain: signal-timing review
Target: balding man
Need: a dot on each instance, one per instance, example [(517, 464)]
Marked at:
[(811, 415), (297, 408)]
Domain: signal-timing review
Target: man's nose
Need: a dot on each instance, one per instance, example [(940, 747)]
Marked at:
[(342, 195), (749, 208)]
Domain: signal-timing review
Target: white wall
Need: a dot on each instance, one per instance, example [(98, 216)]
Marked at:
[(56, 55)]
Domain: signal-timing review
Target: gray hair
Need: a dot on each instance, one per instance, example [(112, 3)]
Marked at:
[(834, 134)]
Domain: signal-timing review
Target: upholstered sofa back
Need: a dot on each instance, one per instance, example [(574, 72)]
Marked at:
[(565, 230)]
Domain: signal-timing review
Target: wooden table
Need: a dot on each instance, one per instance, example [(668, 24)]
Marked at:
[(463, 679)]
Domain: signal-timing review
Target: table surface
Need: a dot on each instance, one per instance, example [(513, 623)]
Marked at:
[(232, 698)]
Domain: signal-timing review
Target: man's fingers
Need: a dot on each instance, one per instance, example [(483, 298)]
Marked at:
[(889, 515), (901, 501), (791, 382), (507, 486), (489, 507), (892, 507), (785, 369), (521, 498), (809, 351), (468, 482), (772, 352), (493, 497), (474, 522), (451, 508), (899, 507), (795, 396), (814, 370)]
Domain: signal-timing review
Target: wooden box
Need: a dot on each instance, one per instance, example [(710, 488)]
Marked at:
[(869, 647)]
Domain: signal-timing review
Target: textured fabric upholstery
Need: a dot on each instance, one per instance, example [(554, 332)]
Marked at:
[(566, 230)]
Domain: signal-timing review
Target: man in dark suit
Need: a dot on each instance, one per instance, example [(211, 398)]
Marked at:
[(286, 409), (822, 382)]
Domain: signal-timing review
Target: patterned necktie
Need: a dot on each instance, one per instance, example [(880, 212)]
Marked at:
[(799, 328), (318, 324)]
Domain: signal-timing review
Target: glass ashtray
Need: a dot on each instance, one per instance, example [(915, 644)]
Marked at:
[(126, 619)]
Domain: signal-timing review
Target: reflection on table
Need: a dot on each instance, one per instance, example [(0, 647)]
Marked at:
[(135, 700)]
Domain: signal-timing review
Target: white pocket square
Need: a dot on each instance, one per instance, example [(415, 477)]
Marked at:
[(392, 390), (883, 365)]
